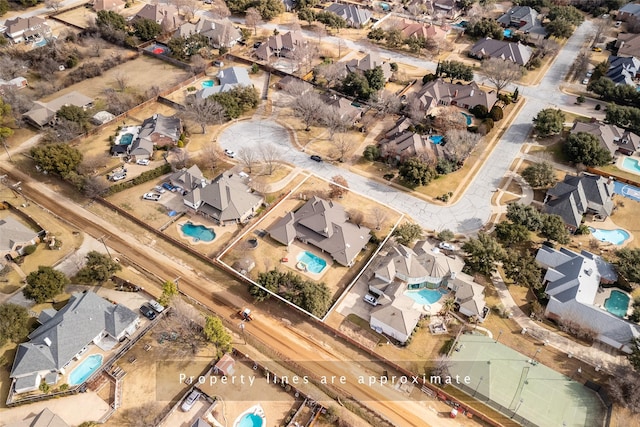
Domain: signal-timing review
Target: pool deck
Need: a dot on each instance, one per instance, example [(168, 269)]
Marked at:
[(134, 130), (297, 247), (601, 297), (216, 230)]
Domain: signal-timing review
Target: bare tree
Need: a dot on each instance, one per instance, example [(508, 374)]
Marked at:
[(548, 47), (253, 18), (204, 112), (460, 143), (450, 118), (501, 73), (121, 80), (91, 165), (219, 9), (270, 157), (260, 185), (333, 72), (334, 121), (415, 110), (249, 158), (11, 67), (343, 145), (210, 155), (146, 415), (53, 4), (190, 7), (95, 186), (297, 88), (338, 187), (600, 30), (181, 158), (356, 217), (580, 65), (379, 217), (307, 108), (388, 103), (624, 388)]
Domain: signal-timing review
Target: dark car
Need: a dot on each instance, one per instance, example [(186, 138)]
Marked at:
[(257, 45), (316, 158), (148, 312)]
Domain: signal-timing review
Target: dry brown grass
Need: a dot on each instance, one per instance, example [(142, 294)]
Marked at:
[(626, 216)]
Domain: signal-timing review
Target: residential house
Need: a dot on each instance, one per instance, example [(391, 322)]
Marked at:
[(281, 45), (163, 14), (611, 137), (219, 32), (44, 418), (439, 92), (573, 281), (25, 29), (226, 199), (629, 12), (623, 70), (369, 62), (356, 17), (523, 19), (443, 8), (509, 51), (325, 225), (401, 270), (628, 44), (288, 82), (577, 196), (229, 78), (109, 5), (420, 30), (347, 109), (65, 335), (44, 113), (400, 143), (14, 237)]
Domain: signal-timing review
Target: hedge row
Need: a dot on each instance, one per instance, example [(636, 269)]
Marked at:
[(140, 179)]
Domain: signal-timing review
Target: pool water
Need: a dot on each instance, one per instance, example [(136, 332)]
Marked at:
[(468, 117), (85, 369), (126, 139), (628, 191), (313, 263), (41, 43), (507, 33), (208, 83), (250, 420), (617, 236), (198, 232), (424, 296), (385, 6), (436, 139), (617, 303), (631, 165)]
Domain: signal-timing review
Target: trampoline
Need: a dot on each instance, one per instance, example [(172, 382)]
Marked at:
[(158, 50)]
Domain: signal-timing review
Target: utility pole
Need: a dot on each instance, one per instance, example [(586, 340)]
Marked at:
[(101, 239)]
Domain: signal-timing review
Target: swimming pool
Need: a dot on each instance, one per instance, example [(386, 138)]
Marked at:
[(313, 263), (507, 32), (385, 6), (617, 303), (436, 139), (628, 191), (631, 164), (250, 420), (40, 43), (126, 139), (468, 117), (424, 296), (617, 236), (198, 232), (208, 83), (85, 369)]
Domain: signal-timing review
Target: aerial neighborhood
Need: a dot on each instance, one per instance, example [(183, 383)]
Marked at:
[(319, 213)]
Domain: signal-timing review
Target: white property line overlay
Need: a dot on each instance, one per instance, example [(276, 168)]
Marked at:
[(348, 288)]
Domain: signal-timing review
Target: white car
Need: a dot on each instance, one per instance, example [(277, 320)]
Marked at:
[(230, 153), (190, 400), (156, 306), (370, 299), (154, 197), (118, 177), (585, 81), (143, 162), (447, 246), (159, 189)]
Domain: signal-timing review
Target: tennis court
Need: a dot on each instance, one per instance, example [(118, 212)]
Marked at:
[(520, 387)]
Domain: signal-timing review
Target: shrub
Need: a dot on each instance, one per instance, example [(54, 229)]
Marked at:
[(480, 111), (140, 179), (598, 107), (488, 123), (389, 176), (496, 113), (28, 250)]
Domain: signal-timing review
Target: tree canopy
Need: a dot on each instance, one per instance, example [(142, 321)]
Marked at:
[(539, 175), (485, 28), (216, 333), (310, 296), (525, 215), (548, 122), (147, 29), (628, 264), (59, 159), (98, 268), (5, 117), (237, 101), (626, 117), (585, 148), (483, 254), (13, 323), (44, 284), (416, 172), (110, 19), (330, 19), (521, 267), (455, 70)]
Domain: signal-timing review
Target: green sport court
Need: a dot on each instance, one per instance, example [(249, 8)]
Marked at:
[(521, 388)]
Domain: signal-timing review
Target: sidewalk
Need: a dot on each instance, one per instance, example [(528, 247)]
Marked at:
[(590, 355)]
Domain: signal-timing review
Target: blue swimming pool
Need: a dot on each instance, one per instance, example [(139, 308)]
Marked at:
[(198, 232), (250, 420), (314, 263), (85, 369), (41, 43), (424, 296), (617, 303), (208, 83), (507, 33), (626, 190), (617, 236), (468, 117), (631, 164), (436, 139), (126, 139), (384, 6)]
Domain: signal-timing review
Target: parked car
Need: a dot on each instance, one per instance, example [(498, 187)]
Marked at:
[(589, 73), (147, 312), (156, 306), (118, 177), (159, 189), (618, 23), (316, 158), (371, 299), (447, 246), (585, 81), (143, 162), (154, 197), (168, 186), (229, 153), (257, 45), (218, 64), (190, 400), (596, 49)]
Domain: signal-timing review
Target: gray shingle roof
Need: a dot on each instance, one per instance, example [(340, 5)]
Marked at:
[(623, 69), (509, 51), (355, 16), (229, 79), (524, 18), (13, 233), (52, 345), (440, 92)]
